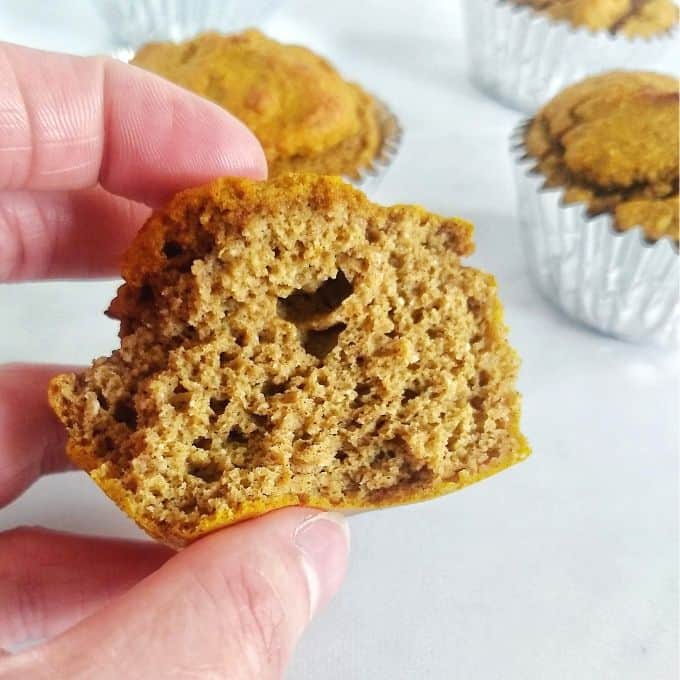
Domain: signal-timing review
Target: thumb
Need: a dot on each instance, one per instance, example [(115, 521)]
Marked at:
[(231, 605)]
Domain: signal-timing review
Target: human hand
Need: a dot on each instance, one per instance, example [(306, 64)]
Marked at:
[(86, 146)]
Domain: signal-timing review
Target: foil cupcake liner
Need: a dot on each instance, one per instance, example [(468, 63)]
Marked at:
[(522, 58), (371, 177), (135, 22), (616, 282)]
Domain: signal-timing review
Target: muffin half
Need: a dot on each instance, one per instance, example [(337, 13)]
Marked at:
[(288, 342)]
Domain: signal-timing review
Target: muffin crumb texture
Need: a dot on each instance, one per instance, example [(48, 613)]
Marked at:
[(305, 115), (288, 342), (631, 18), (611, 142)]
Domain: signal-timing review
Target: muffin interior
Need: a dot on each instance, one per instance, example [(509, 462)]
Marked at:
[(289, 342)]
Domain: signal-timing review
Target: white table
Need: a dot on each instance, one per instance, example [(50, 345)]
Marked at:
[(563, 567)]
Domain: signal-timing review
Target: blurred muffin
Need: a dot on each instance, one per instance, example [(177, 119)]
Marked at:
[(631, 18), (288, 342), (612, 143), (523, 52), (306, 116), (598, 184)]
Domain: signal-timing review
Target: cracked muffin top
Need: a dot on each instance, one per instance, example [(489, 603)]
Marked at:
[(305, 115), (631, 18), (289, 342), (611, 142)]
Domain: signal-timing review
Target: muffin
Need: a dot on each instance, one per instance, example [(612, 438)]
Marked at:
[(306, 116), (631, 18), (523, 52), (597, 172), (289, 342)]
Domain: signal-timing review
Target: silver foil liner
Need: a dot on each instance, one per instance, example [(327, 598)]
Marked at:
[(523, 58), (615, 282), (135, 22), (371, 177)]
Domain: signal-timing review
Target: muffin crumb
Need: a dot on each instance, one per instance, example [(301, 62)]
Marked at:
[(288, 342)]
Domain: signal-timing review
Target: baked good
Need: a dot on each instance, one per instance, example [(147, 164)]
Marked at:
[(306, 116), (597, 183), (289, 342), (632, 18), (525, 52), (611, 142)]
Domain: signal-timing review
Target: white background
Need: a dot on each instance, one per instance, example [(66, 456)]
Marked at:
[(563, 567)]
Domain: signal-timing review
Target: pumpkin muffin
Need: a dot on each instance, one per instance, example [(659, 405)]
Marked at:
[(632, 18), (523, 52), (306, 116), (612, 143), (289, 342), (597, 172)]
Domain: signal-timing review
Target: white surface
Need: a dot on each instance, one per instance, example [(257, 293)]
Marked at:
[(564, 567)]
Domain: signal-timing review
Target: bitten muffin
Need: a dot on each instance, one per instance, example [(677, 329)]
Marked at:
[(289, 342), (306, 116), (632, 18), (612, 142)]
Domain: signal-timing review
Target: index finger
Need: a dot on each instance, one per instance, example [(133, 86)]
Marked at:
[(70, 122)]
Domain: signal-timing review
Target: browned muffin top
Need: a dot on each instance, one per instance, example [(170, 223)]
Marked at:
[(612, 142), (306, 116), (632, 18), (288, 342)]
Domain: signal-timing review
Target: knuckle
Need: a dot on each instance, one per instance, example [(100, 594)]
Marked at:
[(19, 542), (262, 618), (20, 593), (12, 248), (26, 244)]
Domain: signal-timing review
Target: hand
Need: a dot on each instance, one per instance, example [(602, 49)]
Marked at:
[(86, 145)]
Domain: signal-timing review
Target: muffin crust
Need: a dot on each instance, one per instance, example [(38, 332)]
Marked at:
[(289, 342), (631, 18), (611, 142), (307, 118)]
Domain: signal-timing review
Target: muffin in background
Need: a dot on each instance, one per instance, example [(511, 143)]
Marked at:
[(631, 18), (306, 116), (597, 177), (523, 52)]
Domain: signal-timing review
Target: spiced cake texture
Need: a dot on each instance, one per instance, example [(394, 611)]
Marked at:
[(611, 142), (630, 18), (289, 342), (305, 115)]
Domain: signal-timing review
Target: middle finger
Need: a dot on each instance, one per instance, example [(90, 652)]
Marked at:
[(82, 234)]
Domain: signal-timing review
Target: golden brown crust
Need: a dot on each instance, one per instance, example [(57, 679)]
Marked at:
[(612, 142), (307, 118), (288, 342), (632, 18)]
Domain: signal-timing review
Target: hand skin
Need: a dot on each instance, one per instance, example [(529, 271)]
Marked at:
[(87, 147)]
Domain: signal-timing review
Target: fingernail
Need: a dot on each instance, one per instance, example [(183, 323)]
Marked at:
[(323, 542)]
